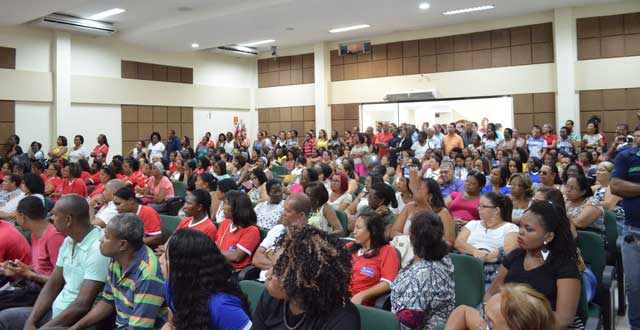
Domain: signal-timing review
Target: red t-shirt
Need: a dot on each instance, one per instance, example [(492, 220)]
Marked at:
[(13, 245), (151, 220), (85, 176), (99, 189), (76, 186), (367, 272), (101, 148), (230, 238), (44, 250), (44, 178), (549, 138), (133, 179), (384, 138), (205, 225), (95, 178), (464, 209)]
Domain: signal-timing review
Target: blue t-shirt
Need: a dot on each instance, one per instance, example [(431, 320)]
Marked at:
[(225, 309), (504, 190), (627, 167), (535, 146)]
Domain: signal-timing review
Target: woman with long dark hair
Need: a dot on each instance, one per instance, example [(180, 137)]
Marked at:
[(238, 235), (199, 291), (547, 260), (375, 263), (102, 147)]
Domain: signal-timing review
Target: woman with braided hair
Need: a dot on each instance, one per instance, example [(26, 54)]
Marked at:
[(308, 287)]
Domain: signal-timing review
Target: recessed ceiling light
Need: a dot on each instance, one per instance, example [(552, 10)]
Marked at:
[(289, 29), (424, 6), (107, 13), (349, 28), (194, 45), (256, 43), (468, 10), (184, 9)]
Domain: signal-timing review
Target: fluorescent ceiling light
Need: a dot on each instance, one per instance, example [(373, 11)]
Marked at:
[(424, 6), (349, 28), (256, 43), (468, 10), (104, 14), (194, 45)]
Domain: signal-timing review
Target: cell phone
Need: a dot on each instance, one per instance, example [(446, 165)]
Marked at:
[(405, 172)]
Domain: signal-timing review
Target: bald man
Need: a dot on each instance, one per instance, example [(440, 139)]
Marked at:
[(297, 208), (79, 276), (108, 209)]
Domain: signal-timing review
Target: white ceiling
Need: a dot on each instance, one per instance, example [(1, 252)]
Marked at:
[(158, 24)]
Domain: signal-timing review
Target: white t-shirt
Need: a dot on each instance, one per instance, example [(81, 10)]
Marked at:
[(269, 242), (420, 150), (228, 147), (76, 155), (107, 212), (491, 239), (345, 198), (435, 142), (155, 150), (535, 146)]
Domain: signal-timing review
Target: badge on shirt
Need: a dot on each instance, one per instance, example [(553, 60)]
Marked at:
[(367, 271), (232, 248)]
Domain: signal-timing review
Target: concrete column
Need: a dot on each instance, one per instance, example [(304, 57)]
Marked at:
[(61, 52), (566, 55), (322, 72), (252, 125)]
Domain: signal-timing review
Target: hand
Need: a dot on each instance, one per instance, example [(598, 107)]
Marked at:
[(30, 325), (159, 250), (382, 210), (480, 255), (4, 270), (357, 299)]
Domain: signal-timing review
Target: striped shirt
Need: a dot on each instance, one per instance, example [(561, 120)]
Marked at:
[(137, 294)]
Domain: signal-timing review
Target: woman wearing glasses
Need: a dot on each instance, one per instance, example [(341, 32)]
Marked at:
[(491, 238)]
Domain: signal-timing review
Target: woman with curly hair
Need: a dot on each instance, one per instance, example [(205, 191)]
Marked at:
[(199, 291), (375, 262), (308, 287)]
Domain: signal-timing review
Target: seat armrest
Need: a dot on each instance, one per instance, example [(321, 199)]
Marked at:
[(249, 273), (608, 276)]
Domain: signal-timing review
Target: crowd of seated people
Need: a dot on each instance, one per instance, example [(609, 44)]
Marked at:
[(328, 221)]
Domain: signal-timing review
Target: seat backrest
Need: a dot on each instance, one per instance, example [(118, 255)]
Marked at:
[(263, 232), (592, 248), (278, 171), (611, 229), (179, 189), (362, 179), (377, 319), (253, 290), (468, 274), (344, 221), (169, 225)]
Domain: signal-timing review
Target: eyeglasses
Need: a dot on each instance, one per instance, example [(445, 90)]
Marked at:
[(544, 172), (480, 206), (571, 188)]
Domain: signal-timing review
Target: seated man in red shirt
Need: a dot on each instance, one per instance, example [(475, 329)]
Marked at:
[(13, 245), (126, 202), (45, 243)]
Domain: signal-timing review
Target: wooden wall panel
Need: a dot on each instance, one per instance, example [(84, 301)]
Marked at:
[(129, 113), (613, 106), (608, 36), (145, 71), (138, 122), (523, 45), (129, 69), (274, 120), (174, 74), (155, 72), (537, 108), (7, 112)]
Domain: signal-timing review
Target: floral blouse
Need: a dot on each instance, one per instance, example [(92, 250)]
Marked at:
[(423, 294)]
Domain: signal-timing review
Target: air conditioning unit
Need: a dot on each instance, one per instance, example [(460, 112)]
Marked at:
[(75, 24), (360, 47), (412, 96), (236, 50)]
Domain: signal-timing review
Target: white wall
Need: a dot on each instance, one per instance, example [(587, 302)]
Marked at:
[(218, 121), (89, 120), (33, 123), (33, 47)]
